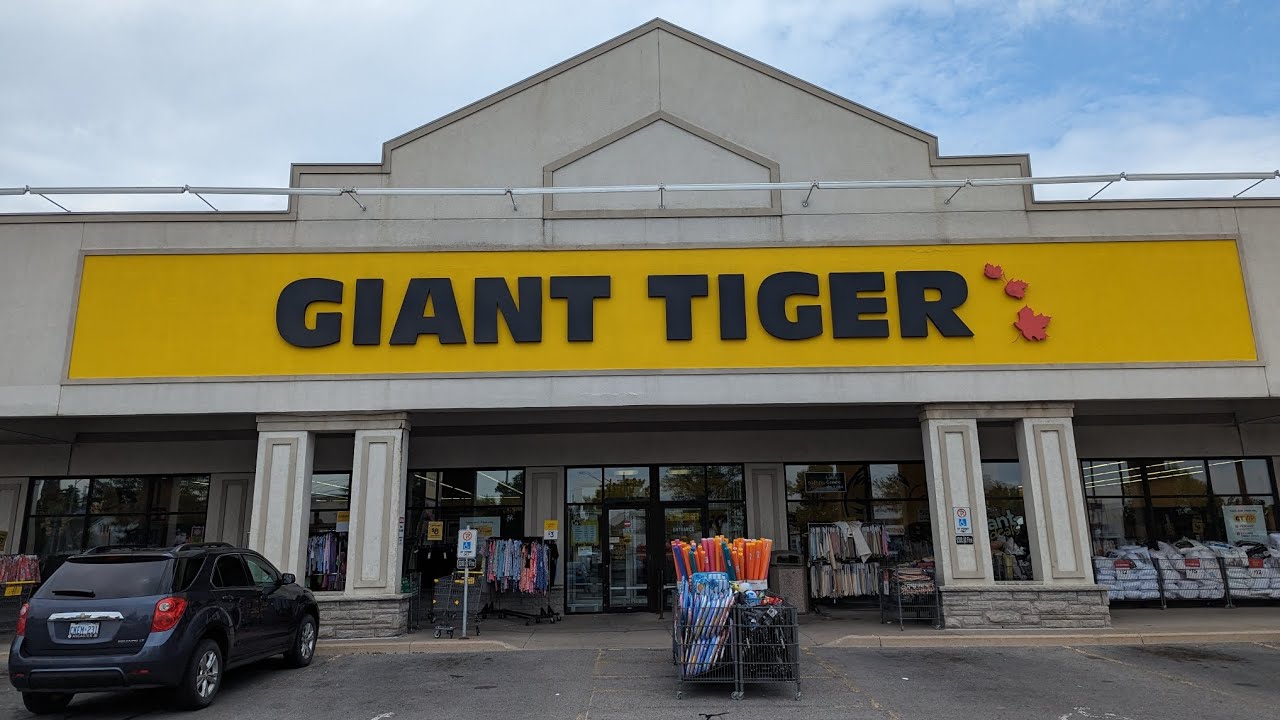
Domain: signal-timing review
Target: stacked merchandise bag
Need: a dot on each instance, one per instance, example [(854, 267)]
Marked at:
[(1253, 571), (1190, 570), (913, 580), (1129, 573)]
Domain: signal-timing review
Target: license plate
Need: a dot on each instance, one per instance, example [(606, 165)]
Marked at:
[(83, 630)]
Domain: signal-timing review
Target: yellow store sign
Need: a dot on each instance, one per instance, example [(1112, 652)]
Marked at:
[(384, 313)]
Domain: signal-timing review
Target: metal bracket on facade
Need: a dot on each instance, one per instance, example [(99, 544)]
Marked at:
[(1256, 184), (351, 193), (967, 183), (512, 197), (805, 202), (1104, 187), (46, 197), (662, 197), (187, 189)]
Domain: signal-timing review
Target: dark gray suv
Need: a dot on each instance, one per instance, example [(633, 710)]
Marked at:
[(118, 618)]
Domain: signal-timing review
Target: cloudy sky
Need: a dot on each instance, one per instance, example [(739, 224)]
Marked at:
[(137, 92)]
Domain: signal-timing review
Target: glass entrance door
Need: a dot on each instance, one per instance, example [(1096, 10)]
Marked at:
[(628, 558), (679, 523)]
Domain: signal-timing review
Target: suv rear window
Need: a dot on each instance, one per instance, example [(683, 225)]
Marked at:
[(109, 577)]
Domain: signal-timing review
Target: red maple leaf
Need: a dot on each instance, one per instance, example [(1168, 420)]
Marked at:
[(1015, 289), (1031, 325), (993, 272)]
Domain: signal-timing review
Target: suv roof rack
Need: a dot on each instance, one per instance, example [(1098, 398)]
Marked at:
[(100, 549), (196, 546)]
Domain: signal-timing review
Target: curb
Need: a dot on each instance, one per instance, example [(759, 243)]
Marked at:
[(403, 647), (940, 640), (1055, 640)]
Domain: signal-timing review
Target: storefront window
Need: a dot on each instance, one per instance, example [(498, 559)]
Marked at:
[(489, 500), (894, 495), (584, 485), (629, 483), (329, 528), (643, 509), (1240, 477), (584, 578), (1176, 477), (1007, 521), (70, 515), (725, 482), (682, 482), (1189, 517), (1168, 500)]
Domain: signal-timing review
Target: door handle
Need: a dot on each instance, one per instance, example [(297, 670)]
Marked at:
[(229, 598)]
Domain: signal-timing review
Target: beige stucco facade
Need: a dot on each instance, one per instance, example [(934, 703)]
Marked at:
[(655, 105)]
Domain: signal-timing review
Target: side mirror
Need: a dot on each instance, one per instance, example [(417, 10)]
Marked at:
[(288, 579)]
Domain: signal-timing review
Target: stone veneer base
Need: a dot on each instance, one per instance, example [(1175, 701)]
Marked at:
[(1026, 606), (345, 617)]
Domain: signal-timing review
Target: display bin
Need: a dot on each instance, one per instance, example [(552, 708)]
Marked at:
[(766, 641), (1206, 580), (750, 645), (909, 601), (703, 651)]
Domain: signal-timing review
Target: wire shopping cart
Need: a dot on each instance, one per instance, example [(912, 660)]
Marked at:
[(448, 605)]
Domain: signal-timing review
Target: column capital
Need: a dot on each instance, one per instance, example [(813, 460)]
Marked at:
[(996, 411), (333, 423)]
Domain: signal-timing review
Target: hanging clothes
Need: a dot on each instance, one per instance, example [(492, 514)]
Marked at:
[(19, 568), (840, 559), (525, 566)]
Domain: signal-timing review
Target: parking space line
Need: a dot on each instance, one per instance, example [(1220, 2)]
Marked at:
[(1158, 673), (844, 679)]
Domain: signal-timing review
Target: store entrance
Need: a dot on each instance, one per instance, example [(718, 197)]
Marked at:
[(627, 559), (621, 522)]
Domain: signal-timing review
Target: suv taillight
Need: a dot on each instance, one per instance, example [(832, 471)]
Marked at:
[(168, 612), (22, 620)]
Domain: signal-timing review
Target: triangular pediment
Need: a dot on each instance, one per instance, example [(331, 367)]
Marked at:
[(654, 150)]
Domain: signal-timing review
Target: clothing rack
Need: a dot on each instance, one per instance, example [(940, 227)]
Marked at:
[(844, 559), (19, 568), (521, 569), (327, 560)]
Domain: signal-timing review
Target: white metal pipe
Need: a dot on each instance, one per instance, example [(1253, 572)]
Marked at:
[(651, 188), (263, 191), (1200, 176), (1048, 180), (148, 190)]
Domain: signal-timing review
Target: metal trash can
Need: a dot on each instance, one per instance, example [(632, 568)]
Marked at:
[(789, 578)]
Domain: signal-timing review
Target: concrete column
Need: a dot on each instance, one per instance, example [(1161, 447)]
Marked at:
[(544, 500), (230, 503), (13, 506), (954, 469), (767, 503), (282, 498), (375, 543), (1057, 523)]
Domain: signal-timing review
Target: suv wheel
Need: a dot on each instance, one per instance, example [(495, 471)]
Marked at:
[(203, 678), (46, 703), (304, 644)]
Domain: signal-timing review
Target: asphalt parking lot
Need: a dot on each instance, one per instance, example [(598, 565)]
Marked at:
[(1173, 682)]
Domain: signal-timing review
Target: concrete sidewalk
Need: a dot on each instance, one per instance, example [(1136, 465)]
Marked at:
[(844, 628)]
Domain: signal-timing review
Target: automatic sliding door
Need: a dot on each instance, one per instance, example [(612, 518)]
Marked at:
[(628, 568)]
